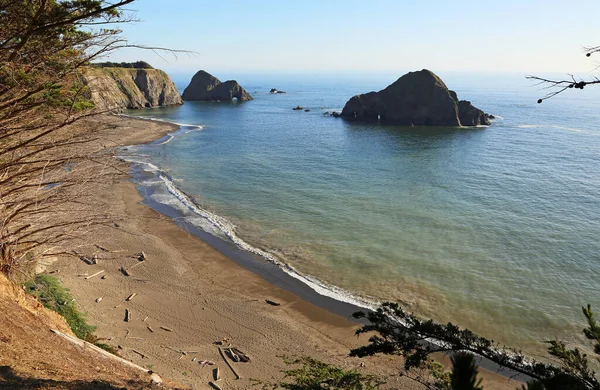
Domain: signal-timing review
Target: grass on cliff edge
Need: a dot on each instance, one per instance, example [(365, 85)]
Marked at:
[(50, 292)]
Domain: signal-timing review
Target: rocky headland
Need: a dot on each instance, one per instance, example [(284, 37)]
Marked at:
[(416, 99), (206, 87), (120, 88)]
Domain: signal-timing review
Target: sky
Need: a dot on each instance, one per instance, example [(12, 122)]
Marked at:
[(366, 35)]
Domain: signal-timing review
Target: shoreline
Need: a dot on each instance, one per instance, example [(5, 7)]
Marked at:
[(206, 289)]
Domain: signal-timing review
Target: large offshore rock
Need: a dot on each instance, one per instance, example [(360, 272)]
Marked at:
[(206, 87), (416, 99)]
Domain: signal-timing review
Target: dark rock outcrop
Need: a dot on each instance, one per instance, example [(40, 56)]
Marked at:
[(206, 87), (275, 90), (416, 99), (120, 88)]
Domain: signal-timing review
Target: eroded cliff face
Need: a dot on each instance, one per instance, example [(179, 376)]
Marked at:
[(120, 88)]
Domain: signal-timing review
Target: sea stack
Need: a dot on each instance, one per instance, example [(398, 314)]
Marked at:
[(416, 99), (206, 87)]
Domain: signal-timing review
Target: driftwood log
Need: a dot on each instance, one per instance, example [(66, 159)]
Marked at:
[(237, 376), (91, 276)]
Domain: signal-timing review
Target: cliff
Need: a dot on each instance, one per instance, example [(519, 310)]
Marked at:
[(417, 98), (119, 88), (206, 87)]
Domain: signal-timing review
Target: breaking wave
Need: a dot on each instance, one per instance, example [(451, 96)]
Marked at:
[(228, 229)]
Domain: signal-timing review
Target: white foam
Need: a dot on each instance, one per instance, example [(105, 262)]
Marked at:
[(227, 229), (551, 127), (529, 126), (168, 140), (150, 118)]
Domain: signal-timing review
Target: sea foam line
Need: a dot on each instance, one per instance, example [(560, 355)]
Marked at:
[(227, 228), (149, 118), (168, 140)]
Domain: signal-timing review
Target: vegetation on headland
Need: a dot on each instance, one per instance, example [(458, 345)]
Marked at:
[(127, 65)]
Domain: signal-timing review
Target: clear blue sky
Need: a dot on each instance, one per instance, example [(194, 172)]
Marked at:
[(385, 35)]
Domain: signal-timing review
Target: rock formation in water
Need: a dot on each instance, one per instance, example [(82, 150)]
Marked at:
[(205, 87), (416, 99), (119, 88), (275, 91)]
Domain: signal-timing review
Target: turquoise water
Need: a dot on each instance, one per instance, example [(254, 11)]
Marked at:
[(495, 229)]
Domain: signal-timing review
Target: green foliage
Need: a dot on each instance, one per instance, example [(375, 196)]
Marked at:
[(128, 65), (464, 372), (49, 291), (316, 375), (440, 377), (401, 333), (593, 330)]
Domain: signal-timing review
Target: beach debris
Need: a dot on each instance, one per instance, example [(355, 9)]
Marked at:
[(54, 272), (165, 328), (101, 248), (82, 275), (99, 299), (205, 363), (91, 276), (237, 376), (217, 374), (236, 355), (141, 256), (225, 340), (103, 277), (149, 328), (129, 298), (214, 385), (127, 315), (124, 271), (194, 359), (272, 303), (139, 353), (145, 318), (89, 260)]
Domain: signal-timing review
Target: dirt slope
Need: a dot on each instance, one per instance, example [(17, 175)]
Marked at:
[(32, 357)]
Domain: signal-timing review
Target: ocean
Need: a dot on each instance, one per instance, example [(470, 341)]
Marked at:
[(492, 228)]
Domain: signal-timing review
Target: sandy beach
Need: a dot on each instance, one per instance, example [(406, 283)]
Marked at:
[(190, 296)]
